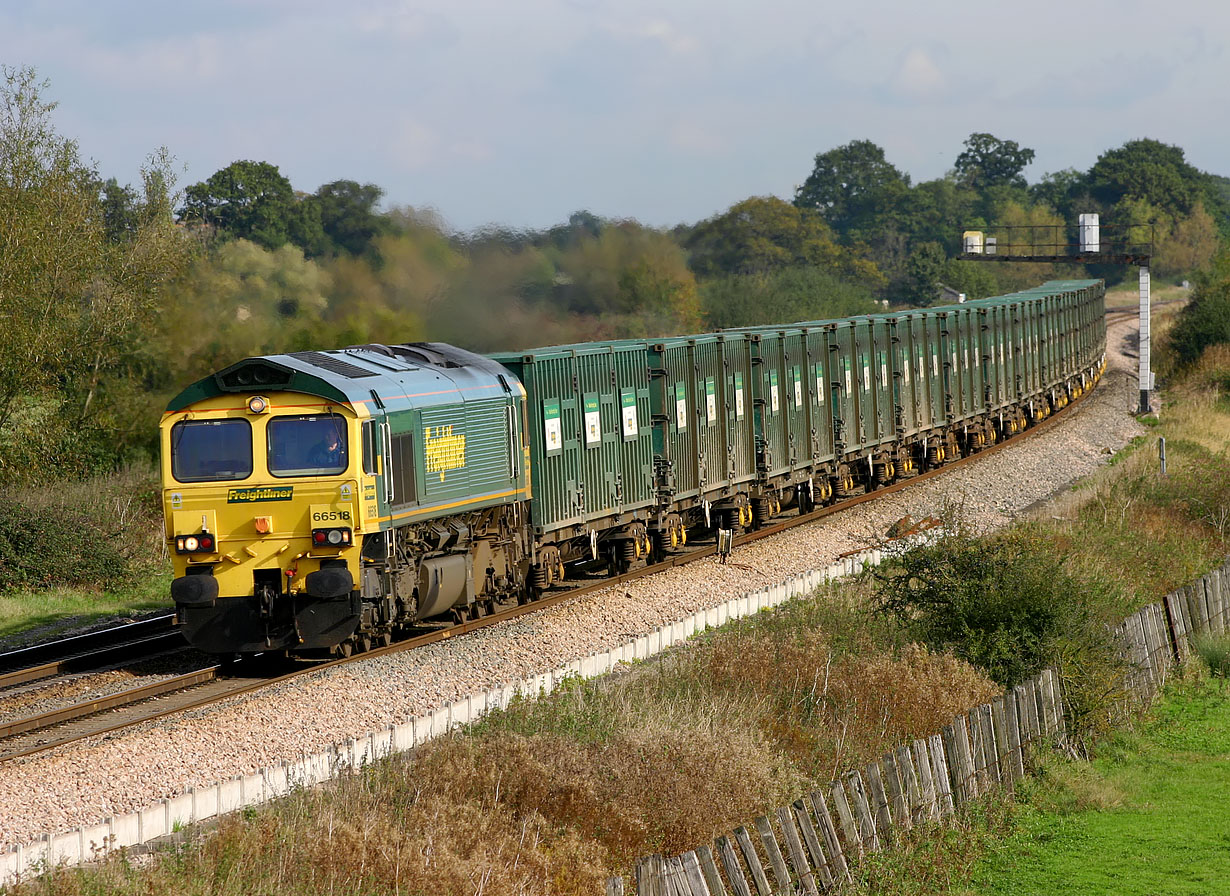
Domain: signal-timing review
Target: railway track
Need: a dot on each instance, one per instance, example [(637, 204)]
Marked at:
[(94, 650), (205, 686)]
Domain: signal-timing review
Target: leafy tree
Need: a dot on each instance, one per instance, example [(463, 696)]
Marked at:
[(988, 161), (1148, 170), (974, 278), (632, 271), (119, 208), (253, 201), (923, 273), (937, 211), (1002, 603), (765, 234), (1205, 320), (240, 301), (1066, 192), (1182, 244), (348, 216), (852, 186), (75, 298)]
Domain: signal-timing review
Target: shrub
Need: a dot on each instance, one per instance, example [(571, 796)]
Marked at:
[(1007, 604), (46, 546), (96, 533), (1205, 321)]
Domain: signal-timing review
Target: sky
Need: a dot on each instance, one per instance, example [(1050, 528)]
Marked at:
[(517, 113)]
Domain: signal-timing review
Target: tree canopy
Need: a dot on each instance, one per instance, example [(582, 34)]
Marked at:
[(988, 161), (850, 185)]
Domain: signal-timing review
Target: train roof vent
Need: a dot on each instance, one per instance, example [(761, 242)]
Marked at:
[(424, 353), (333, 364)]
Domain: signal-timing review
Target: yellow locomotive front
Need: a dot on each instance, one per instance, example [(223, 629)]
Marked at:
[(264, 497)]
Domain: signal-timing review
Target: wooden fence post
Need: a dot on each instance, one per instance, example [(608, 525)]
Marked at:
[(651, 876), (894, 791), (798, 855), (693, 875), (915, 807), (709, 869), (999, 718), (776, 861), (812, 840), (849, 827), (753, 861), (614, 886), (922, 762), (986, 721), (734, 871), (841, 869), (941, 776), (868, 836), (1176, 615)]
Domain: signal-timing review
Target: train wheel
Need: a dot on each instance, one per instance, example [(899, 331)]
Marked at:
[(344, 650)]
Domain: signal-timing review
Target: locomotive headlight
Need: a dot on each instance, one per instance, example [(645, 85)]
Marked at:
[(258, 404), (335, 536), (191, 543)]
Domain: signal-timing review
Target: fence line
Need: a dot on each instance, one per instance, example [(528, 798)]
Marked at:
[(982, 751)]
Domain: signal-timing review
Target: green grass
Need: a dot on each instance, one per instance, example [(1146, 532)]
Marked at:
[(1149, 816), (29, 615)]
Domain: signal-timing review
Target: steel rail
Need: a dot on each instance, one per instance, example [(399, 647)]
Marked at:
[(136, 649)]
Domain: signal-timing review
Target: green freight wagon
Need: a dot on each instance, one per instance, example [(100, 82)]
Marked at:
[(704, 442), (591, 449)]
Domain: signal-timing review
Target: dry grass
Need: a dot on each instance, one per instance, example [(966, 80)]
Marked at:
[(553, 796)]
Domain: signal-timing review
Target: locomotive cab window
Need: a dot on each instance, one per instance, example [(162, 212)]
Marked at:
[(308, 445), (211, 450)]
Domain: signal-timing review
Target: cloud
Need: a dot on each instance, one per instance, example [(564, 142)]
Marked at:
[(918, 77)]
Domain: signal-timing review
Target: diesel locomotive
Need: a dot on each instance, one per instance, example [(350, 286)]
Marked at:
[(320, 502)]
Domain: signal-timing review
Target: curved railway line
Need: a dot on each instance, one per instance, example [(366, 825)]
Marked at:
[(204, 686)]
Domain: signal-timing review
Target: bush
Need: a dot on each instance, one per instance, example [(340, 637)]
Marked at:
[(1204, 322), (46, 546), (96, 533), (1006, 604), (1214, 649)]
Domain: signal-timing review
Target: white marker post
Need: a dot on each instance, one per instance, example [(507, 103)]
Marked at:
[(1146, 375)]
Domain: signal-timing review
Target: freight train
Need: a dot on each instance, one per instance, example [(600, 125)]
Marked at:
[(320, 502)]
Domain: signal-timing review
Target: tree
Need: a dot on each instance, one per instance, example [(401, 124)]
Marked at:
[(1066, 192), (851, 185), (1148, 170), (988, 161), (629, 271), (75, 293), (1205, 320), (923, 272), (348, 215), (243, 300), (764, 234), (788, 294), (252, 201)]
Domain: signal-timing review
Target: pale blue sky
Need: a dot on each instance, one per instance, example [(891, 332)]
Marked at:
[(521, 112)]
